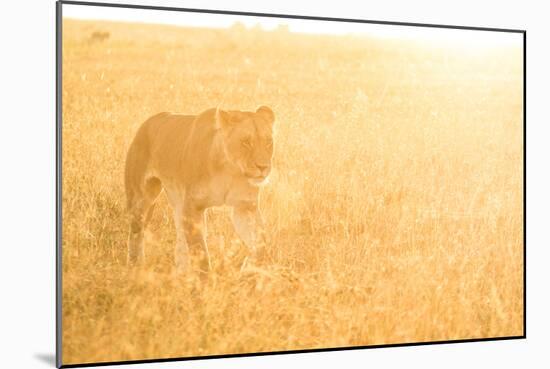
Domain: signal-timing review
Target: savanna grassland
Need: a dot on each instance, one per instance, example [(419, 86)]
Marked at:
[(394, 211)]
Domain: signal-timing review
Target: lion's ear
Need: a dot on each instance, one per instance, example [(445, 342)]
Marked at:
[(223, 120), (266, 113)]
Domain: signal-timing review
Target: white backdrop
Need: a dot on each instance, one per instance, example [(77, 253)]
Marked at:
[(27, 208)]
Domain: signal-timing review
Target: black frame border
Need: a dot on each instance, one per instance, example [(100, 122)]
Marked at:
[(58, 184)]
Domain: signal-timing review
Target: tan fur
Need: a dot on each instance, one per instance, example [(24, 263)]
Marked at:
[(211, 159)]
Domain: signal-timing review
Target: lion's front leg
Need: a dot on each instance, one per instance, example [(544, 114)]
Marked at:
[(194, 228), (181, 252), (249, 226)]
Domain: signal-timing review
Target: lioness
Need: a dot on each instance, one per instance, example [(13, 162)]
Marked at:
[(215, 158)]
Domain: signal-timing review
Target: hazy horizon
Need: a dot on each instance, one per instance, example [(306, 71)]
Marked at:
[(467, 38)]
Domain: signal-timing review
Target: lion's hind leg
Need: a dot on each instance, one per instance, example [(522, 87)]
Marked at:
[(141, 205)]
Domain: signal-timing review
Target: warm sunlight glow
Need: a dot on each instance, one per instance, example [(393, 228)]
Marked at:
[(464, 38), (379, 169)]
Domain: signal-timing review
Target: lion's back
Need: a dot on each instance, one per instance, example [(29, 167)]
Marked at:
[(154, 145), (170, 145)]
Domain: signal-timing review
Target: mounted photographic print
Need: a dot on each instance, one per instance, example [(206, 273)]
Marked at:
[(232, 183)]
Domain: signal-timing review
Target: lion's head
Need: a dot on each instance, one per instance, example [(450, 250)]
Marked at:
[(248, 141)]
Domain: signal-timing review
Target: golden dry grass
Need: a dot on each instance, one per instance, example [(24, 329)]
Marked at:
[(394, 210)]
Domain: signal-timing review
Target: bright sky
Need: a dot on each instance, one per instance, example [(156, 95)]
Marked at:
[(466, 37)]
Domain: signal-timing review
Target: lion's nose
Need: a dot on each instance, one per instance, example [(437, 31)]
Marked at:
[(262, 167)]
